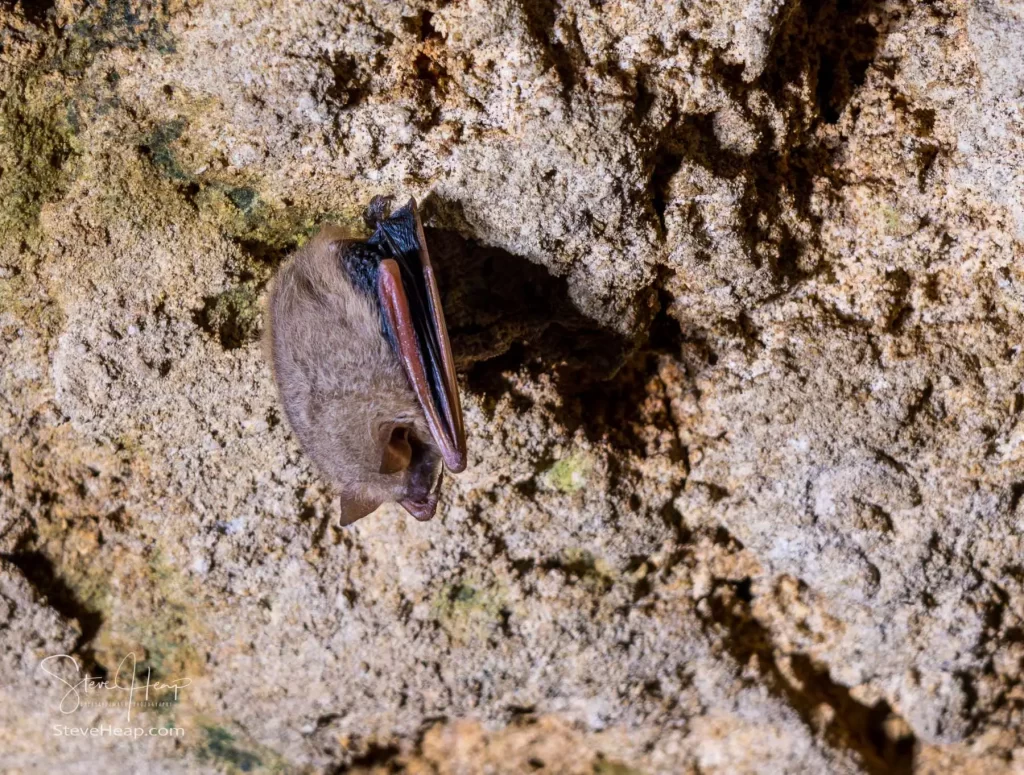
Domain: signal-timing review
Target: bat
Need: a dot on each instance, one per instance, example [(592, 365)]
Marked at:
[(360, 354)]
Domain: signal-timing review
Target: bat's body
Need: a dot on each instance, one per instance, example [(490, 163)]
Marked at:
[(363, 365)]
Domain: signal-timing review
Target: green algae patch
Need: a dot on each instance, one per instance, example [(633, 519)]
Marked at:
[(234, 317), (608, 767), (229, 753), (157, 147), (570, 474), (583, 567), (36, 154), (19, 300), (129, 24), (265, 233), (244, 198), (166, 640), (469, 609), (265, 236), (158, 624), (40, 118), (221, 746)]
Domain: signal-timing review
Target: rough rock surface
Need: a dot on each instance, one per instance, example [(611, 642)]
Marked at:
[(736, 288)]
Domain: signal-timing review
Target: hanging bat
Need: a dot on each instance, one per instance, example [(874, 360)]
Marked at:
[(360, 353)]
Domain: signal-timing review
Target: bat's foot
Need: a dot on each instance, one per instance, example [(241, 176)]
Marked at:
[(378, 210)]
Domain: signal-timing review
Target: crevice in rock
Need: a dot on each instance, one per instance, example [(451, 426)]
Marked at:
[(505, 313), (899, 284), (41, 573), (879, 739), (36, 11), (348, 86), (845, 52), (926, 156), (430, 79), (666, 164), (826, 45), (377, 757), (579, 569), (1016, 491), (542, 19), (234, 317), (831, 44)]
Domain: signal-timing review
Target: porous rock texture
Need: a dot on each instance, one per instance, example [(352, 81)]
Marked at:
[(736, 290)]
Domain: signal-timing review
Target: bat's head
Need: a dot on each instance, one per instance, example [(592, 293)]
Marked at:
[(375, 447), (343, 388)]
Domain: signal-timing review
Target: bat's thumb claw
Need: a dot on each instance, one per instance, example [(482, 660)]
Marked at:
[(377, 211)]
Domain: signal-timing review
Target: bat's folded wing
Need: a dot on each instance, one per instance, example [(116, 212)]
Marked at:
[(411, 305)]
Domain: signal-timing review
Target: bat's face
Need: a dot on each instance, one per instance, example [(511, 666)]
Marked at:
[(376, 449), (365, 375)]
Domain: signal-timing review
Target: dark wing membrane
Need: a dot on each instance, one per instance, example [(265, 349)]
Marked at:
[(454, 407), (361, 261), (394, 305), (401, 237), (396, 237)]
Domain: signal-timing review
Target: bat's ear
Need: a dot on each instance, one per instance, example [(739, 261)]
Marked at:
[(354, 507), (396, 449)]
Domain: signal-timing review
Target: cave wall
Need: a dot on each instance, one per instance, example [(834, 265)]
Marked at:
[(735, 288)]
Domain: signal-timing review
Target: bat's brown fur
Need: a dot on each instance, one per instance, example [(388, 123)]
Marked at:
[(341, 384)]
